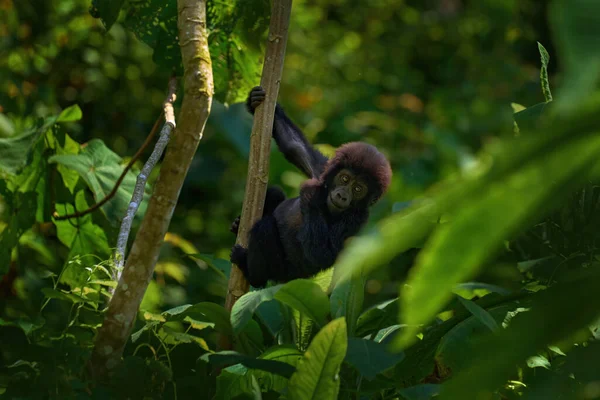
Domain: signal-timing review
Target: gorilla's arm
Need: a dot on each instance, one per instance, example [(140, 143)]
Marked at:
[(290, 139)]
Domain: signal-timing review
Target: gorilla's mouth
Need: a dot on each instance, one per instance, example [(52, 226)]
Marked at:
[(333, 205)]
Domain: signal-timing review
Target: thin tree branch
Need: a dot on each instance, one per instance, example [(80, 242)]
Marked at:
[(140, 184), (260, 140), (195, 108)]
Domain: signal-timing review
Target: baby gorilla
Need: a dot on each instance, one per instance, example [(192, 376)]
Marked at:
[(298, 237)]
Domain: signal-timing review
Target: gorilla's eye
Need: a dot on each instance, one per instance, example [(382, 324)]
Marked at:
[(357, 189), (345, 178)]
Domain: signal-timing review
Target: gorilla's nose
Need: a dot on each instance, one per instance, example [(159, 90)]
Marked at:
[(342, 197)]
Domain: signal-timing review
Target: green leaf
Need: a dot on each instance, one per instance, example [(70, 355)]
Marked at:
[(223, 358), (307, 297), (65, 296), (529, 118), (426, 391), (100, 168), (237, 381), (85, 240), (73, 113), (555, 315), (504, 207), (154, 22), (382, 315), (107, 10), (16, 151), (370, 358), (453, 351), (207, 311), (246, 306), (544, 72), (288, 354), (236, 69), (7, 128), (69, 176), (19, 216), (576, 26), (347, 300), (480, 313), (316, 375), (538, 361)]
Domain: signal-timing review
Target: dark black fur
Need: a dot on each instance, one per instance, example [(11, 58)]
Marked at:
[(298, 237)]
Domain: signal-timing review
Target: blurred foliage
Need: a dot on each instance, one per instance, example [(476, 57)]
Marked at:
[(475, 278)]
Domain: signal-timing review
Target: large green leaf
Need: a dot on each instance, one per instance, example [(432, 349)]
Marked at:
[(382, 315), (458, 249), (316, 375), (100, 168), (244, 308), (555, 315), (306, 297), (237, 381), (224, 358), (86, 241), (288, 354), (347, 301), (576, 26), (370, 358)]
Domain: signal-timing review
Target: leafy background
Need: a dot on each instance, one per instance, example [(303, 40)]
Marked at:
[(477, 274)]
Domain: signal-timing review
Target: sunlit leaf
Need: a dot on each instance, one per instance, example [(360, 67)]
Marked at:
[(478, 229), (306, 297), (100, 168), (244, 308), (316, 375)]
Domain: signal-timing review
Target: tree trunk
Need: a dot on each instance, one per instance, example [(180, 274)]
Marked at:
[(198, 84), (260, 140)]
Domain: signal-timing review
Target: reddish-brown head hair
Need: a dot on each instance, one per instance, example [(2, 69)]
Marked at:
[(362, 158)]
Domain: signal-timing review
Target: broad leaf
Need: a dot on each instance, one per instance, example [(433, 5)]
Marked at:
[(246, 306), (480, 313), (100, 168), (316, 375), (84, 239), (347, 301), (370, 358), (479, 227), (306, 297), (555, 314), (288, 354), (224, 358)]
